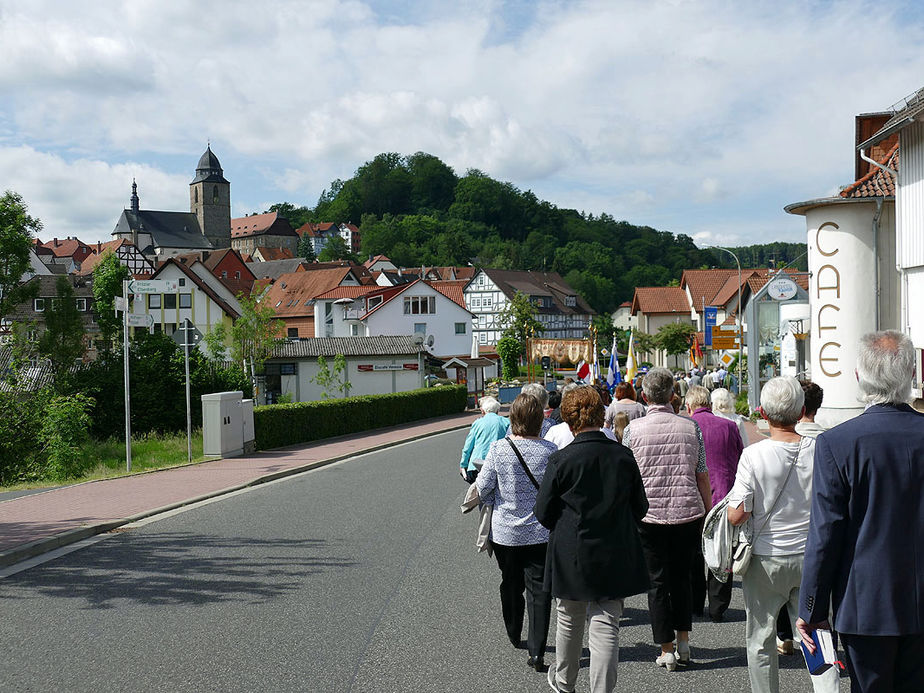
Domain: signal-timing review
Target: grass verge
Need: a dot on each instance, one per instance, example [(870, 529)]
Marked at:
[(105, 459)]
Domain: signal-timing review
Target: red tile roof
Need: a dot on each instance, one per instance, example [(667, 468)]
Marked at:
[(290, 293), (876, 183), (377, 258), (314, 230), (660, 299), (269, 254), (348, 292), (704, 284), (254, 224), (69, 247), (761, 276), (451, 289)]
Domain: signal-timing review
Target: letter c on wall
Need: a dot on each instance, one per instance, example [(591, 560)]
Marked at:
[(818, 243)]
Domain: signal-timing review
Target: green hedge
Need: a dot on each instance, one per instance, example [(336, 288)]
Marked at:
[(278, 425)]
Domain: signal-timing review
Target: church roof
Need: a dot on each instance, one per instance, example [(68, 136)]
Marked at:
[(167, 229), (209, 169)]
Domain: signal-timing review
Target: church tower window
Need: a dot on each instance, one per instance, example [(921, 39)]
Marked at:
[(215, 194)]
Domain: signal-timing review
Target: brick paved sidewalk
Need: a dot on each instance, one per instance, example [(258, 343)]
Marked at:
[(33, 524)]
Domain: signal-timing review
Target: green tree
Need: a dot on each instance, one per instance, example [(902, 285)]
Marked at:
[(296, 216), (108, 276), (332, 381), (508, 348), (16, 233), (255, 333), (336, 249), (519, 320), (216, 341), (62, 342), (674, 338), (306, 248)]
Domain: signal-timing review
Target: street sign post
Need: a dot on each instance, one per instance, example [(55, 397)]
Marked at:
[(712, 314), (153, 286), (187, 336), (128, 404), (139, 319)]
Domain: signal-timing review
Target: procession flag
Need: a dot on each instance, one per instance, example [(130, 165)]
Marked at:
[(582, 371), (613, 376), (631, 362)]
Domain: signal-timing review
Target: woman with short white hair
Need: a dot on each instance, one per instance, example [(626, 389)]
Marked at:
[(490, 427), (773, 488), (723, 404)]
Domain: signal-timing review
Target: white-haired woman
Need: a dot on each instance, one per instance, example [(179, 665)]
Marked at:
[(542, 396), (490, 427), (773, 487), (723, 404)]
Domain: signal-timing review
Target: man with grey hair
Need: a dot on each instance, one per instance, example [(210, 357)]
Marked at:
[(865, 552), (542, 396), (773, 487), (672, 460)]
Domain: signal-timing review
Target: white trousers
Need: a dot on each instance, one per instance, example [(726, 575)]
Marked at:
[(769, 583), (602, 637)]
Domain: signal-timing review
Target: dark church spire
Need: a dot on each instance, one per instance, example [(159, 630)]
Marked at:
[(135, 201)]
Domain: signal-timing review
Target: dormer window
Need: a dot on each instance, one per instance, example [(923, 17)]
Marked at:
[(570, 301), (373, 302)]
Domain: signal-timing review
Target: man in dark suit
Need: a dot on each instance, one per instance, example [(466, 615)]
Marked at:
[(865, 551)]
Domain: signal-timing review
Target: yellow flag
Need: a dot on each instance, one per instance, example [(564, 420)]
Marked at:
[(631, 361)]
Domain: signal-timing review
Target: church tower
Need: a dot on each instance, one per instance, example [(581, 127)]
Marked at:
[(210, 200)]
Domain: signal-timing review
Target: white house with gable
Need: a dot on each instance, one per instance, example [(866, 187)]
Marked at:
[(417, 308)]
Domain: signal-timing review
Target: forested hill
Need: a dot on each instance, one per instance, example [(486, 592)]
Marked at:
[(417, 211)]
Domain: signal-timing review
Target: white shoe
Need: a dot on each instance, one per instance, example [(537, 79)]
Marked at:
[(683, 651), (668, 660)]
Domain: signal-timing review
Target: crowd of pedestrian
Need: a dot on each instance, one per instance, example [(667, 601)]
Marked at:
[(610, 502)]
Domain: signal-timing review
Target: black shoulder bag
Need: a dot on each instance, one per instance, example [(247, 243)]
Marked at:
[(523, 462)]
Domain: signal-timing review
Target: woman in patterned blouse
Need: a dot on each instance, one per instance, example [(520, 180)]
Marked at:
[(518, 540)]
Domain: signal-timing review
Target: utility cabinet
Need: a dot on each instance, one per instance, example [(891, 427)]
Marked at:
[(227, 424)]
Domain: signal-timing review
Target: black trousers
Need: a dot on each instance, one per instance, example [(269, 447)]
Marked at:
[(703, 584), (669, 551), (783, 626), (523, 568), (885, 663)]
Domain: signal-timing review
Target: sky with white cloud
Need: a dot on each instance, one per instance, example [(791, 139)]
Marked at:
[(698, 117)]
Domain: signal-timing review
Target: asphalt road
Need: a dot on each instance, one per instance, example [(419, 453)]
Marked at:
[(357, 577)]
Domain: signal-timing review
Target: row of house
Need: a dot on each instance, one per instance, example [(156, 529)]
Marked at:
[(653, 307)]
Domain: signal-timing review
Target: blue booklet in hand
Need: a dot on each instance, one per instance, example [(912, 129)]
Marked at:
[(825, 652)]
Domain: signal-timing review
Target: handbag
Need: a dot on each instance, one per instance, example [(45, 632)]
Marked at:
[(744, 548), (523, 462)]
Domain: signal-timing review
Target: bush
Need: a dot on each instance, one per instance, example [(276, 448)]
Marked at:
[(158, 387), (65, 428), (21, 457), (278, 425)]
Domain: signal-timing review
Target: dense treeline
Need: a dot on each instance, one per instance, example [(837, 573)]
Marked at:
[(417, 211)]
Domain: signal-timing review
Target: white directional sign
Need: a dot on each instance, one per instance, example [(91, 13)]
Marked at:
[(140, 320), (153, 286), (121, 304)]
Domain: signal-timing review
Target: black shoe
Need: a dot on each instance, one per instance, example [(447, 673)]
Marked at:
[(536, 663)]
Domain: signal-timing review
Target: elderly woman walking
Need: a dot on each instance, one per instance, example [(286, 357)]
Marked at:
[(671, 457), (723, 404), (773, 487), (624, 400), (592, 499), (542, 396), (490, 427), (509, 481)]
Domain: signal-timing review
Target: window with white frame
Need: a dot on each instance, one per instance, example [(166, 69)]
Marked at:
[(419, 305), (482, 337), (476, 302), (81, 304), (487, 301), (420, 328), (354, 330), (153, 300), (328, 319), (185, 300), (373, 302), (460, 328), (38, 305), (480, 280)]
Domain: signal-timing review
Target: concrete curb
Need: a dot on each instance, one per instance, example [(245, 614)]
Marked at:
[(72, 536)]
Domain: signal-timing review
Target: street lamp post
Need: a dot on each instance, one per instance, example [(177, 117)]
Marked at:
[(740, 336)]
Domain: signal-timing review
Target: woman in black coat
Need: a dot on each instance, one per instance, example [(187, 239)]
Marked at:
[(591, 499)]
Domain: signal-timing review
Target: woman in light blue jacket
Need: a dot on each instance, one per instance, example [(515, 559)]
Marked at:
[(483, 432)]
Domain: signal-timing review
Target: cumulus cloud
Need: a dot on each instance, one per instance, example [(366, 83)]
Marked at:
[(678, 115)]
